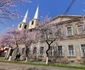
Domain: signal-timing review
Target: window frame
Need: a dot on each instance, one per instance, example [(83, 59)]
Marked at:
[(67, 31), (23, 51), (72, 51), (60, 50), (32, 22), (25, 26), (78, 29), (83, 54), (34, 51), (41, 53)]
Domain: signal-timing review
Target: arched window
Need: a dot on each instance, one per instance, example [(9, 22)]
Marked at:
[(69, 31), (32, 23), (80, 29), (25, 26)]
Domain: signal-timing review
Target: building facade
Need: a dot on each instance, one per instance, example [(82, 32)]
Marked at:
[(70, 50)]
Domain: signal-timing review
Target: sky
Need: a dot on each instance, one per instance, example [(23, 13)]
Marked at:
[(52, 8)]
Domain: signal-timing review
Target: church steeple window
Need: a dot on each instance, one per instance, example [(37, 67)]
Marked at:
[(32, 23), (20, 25), (25, 26)]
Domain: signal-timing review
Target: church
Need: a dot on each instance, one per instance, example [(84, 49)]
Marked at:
[(71, 49)]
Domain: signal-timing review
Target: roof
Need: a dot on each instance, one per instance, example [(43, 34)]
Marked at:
[(67, 16), (62, 19)]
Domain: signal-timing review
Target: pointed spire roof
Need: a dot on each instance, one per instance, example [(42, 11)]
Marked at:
[(36, 13), (25, 17)]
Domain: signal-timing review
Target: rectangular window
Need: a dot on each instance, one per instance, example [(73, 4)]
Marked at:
[(69, 31), (23, 51), (59, 50), (71, 50), (34, 50), (41, 51), (83, 49), (80, 28), (27, 51)]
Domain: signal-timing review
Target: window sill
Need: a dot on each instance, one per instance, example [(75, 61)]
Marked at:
[(71, 56), (40, 56), (83, 57), (61, 56), (69, 35)]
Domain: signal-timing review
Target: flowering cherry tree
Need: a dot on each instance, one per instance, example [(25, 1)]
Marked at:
[(49, 33), (14, 38), (7, 10), (27, 38), (11, 38), (5, 40)]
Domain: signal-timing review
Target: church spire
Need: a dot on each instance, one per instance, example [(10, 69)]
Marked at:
[(25, 17), (34, 22), (36, 13)]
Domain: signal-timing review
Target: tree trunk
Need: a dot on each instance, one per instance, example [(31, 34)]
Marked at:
[(10, 57), (47, 52), (46, 60), (26, 53), (17, 44), (26, 59)]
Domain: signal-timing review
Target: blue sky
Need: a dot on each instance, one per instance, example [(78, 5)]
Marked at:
[(52, 8)]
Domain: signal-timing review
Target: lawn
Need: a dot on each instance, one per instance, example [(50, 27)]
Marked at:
[(51, 65)]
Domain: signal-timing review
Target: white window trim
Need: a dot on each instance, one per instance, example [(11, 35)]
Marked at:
[(78, 29), (33, 51), (68, 51), (62, 50), (40, 53), (52, 51), (74, 47), (67, 30), (81, 50)]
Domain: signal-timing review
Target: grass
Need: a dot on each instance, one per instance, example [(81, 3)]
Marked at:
[(51, 65)]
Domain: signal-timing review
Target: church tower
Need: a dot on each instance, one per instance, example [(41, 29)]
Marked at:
[(34, 22), (23, 25)]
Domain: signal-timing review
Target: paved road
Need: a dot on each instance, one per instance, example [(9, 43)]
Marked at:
[(9, 66)]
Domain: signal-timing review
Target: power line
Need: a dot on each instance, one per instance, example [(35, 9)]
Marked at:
[(67, 10)]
